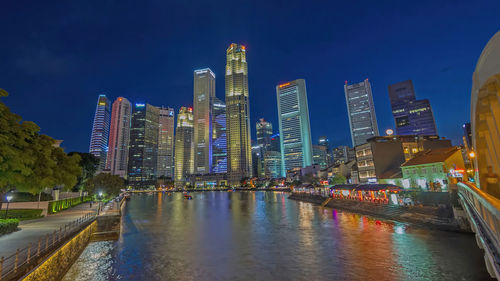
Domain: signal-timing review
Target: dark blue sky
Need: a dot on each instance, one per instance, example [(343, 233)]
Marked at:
[(57, 57)]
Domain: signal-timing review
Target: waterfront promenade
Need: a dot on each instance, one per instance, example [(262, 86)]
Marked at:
[(32, 230)]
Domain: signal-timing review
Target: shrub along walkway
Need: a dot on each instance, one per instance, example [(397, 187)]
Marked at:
[(32, 230)]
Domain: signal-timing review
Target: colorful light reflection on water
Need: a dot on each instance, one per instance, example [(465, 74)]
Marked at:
[(265, 236)]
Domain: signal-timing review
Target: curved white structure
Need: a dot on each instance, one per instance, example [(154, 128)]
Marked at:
[(485, 108)]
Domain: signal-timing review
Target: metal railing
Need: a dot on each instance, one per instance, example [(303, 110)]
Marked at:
[(12, 265), (483, 211)]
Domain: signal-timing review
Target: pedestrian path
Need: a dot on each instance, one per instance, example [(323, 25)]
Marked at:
[(32, 230)]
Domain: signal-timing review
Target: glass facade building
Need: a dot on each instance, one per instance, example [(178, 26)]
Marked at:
[(361, 112), (203, 97), (119, 137), (264, 131), (143, 150), (165, 166), (219, 142), (239, 150), (100, 131), (412, 116), (295, 130)]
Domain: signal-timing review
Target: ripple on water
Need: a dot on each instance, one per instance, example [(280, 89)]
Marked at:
[(95, 263)]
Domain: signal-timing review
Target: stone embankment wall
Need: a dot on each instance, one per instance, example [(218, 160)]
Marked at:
[(57, 264), (432, 217)]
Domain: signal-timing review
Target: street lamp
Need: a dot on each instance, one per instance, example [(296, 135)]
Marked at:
[(8, 197), (99, 208), (472, 155)]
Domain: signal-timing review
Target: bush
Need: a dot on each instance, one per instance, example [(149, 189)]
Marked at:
[(59, 205), (8, 226), (23, 214), (28, 197)]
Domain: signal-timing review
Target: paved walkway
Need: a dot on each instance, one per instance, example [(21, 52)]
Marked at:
[(32, 230)]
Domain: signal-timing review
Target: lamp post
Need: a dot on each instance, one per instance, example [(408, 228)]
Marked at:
[(8, 197), (472, 155), (99, 207)]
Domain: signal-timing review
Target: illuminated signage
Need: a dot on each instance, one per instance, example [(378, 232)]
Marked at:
[(140, 105), (284, 85), (102, 103)]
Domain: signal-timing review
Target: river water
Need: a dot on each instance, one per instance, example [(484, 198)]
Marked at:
[(266, 236)]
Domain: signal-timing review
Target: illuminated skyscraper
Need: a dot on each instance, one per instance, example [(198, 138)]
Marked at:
[(204, 94), (219, 141), (184, 146), (239, 149), (100, 131), (361, 111), (264, 131), (295, 130), (165, 165), (119, 137), (412, 116), (143, 149)]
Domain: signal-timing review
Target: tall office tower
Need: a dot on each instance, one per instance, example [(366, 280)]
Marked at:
[(320, 156), (119, 137), (184, 146), (325, 142), (361, 111), (100, 131), (203, 97), (264, 133), (219, 141), (275, 143), (239, 148), (272, 164), (412, 116), (143, 147), (295, 129), (165, 161), (257, 160)]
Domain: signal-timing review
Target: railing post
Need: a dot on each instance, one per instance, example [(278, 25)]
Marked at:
[(54, 238), (38, 249), (46, 242), (60, 234), (1, 266), (29, 253), (16, 261)]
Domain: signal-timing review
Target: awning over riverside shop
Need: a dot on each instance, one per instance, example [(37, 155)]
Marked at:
[(378, 193)]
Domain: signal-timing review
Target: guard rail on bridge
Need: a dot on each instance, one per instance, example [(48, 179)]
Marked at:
[(483, 213)]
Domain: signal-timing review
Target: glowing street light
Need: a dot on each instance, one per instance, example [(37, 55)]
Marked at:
[(8, 197), (389, 132), (472, 154)]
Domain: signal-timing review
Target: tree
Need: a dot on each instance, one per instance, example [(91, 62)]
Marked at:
[(88, 163), (29, 161), (106, 183), (16, 160), (338, 179)]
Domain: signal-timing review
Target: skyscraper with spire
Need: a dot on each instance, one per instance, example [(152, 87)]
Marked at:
[(239, 147), (100, 131), (203, 98), (119, 137)]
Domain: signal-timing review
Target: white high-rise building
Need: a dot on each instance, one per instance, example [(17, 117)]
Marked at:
[(165, 167), (361, 111)]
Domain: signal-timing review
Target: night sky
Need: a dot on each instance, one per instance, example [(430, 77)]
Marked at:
[(58, 56)]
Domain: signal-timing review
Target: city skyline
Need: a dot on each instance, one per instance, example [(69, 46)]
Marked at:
[(141, 75)]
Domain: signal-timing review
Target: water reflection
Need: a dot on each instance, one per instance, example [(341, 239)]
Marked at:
[(265, 236)]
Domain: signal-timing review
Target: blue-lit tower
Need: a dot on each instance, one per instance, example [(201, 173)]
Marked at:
[(100, 131)]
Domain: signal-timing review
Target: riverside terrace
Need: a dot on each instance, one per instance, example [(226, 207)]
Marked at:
[(377, 193)]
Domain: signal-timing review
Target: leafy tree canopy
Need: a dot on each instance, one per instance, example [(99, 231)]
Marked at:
[(105, 183)]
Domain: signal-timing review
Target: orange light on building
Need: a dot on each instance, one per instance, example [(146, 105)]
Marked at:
[(120, 99), (243, 47), (284, 85)]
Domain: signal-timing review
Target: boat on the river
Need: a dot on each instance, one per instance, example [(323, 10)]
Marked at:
[(187, 196)]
